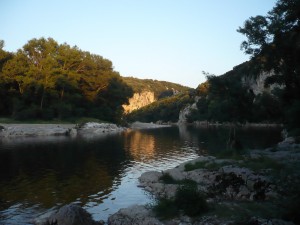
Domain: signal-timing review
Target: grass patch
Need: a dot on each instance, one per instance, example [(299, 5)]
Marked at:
[(165, 209), (191, 201), (194, 166), (187, 200), (166, 178), (230, 154), (205, 165), (263, 163), (241, 212)]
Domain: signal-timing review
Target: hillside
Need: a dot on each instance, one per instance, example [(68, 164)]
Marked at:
[(159, 88), (147, 91), (164, 110)]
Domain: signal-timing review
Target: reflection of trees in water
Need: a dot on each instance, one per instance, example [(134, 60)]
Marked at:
[(59, 173), (140, 144), (212, 139)]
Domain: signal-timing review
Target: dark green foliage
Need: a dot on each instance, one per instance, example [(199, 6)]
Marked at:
[(194, 166), (267, 108), (224, 99), (165, 209), (161, 89), (187, 200), (204, 165), (45, 80), (166, 178), (191, 201), (274, 43)]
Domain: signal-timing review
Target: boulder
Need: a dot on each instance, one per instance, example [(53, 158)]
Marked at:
[(71, 214), (134, 215)]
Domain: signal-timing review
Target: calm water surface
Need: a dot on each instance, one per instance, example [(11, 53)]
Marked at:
[(38, 175)]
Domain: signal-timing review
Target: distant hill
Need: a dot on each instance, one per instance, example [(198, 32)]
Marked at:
[(159, 88), (147, 91), (164, 110)]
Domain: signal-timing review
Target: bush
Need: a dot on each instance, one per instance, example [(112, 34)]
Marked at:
[(191, 201), (187, 199), (165, 209), (166, 178)]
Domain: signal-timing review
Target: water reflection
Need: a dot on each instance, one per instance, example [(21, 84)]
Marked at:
[(140, 144), (100, 173)]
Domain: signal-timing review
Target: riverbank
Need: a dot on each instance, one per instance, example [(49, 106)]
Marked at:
[(141, 125), (246, 188), (257, 187), (86, 129), (14, 130)]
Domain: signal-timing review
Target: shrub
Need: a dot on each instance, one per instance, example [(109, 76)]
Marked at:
[(165, 209), (191, 201), (166, 178), (187, 199)]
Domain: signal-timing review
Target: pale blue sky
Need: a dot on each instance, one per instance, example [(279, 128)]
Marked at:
[(171, 40)]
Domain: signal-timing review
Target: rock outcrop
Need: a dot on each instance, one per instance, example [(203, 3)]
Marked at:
[(31, 130), (257, 84), (71, 214), (134, 215), (228, 182), (185, 112), (139, 100), (37, 130)]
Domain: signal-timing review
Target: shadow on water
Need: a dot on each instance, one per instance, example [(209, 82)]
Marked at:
[(214, 139), (100, 173)]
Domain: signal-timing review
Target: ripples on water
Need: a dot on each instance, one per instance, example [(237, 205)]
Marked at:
[(38, 175)]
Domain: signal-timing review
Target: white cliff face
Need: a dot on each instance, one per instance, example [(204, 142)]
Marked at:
[(139, 100), (185, 112), (258, 84)]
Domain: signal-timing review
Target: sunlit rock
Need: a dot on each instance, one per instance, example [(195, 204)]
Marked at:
[(139, 100)]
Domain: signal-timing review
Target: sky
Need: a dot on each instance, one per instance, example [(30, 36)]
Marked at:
[(170, 40)]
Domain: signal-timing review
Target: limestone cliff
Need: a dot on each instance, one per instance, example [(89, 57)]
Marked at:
[(139, 100), (257, 85), (250, 80), (185, 112)]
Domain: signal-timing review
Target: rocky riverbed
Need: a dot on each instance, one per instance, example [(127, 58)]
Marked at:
[(85, 130), (255, 187), (37, 130)]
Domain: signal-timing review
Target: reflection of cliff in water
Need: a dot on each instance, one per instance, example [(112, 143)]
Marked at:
[(57, 173), (140, 144)]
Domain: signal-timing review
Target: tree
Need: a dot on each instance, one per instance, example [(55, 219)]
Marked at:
[(41, 54), (47, 80), (274, 42)]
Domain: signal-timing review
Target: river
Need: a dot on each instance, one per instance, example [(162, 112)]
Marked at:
[(38, 175)]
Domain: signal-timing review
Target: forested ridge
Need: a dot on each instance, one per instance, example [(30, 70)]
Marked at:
[(273, 44), (161, 89), (47, 80), (165, 109)]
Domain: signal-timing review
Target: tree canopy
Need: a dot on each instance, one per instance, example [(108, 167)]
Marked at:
[(274, 42), (48, 80)]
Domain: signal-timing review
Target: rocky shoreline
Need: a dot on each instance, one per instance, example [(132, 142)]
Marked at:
[(38, 130), (255, 188), (83, 130)]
